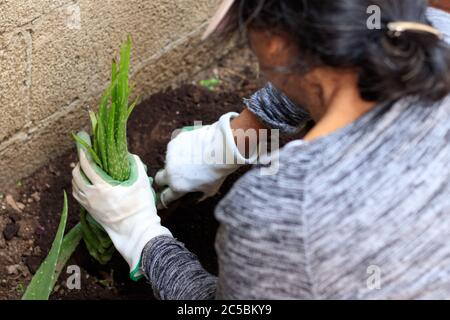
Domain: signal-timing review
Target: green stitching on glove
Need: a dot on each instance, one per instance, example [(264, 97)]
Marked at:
[(190, 128)]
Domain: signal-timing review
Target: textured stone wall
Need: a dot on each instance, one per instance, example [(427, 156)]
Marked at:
[(55, 58)]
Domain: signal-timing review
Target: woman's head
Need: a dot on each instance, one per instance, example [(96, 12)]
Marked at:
[(300, 40)]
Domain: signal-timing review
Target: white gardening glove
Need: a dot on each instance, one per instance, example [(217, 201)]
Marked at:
[(125, 210), (200, 160)]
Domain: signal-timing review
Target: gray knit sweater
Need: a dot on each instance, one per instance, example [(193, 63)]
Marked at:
[(363, 213)]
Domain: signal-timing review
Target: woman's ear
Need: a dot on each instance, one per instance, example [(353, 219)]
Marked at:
[(273, 48)]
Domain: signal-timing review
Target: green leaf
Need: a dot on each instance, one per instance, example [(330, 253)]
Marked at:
[(114, 72), (41, 286), (113, 165), (97, 241), (70, 243), (210, 84), (93, 118), (125, 65), (101, 141), (88, 148), (89, 237), (100, 233), (131, 107), (122, 114)]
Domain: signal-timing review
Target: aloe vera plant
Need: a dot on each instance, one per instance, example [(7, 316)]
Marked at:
[(41, 286), (110, 151), (109, 148)]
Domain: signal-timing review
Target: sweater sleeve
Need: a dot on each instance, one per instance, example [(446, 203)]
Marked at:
[(175, 273), (276, 111)]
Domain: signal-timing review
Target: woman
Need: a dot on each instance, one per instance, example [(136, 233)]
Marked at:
[(359, 208)]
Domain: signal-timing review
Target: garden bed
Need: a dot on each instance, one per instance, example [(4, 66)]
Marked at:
[(29, 214)]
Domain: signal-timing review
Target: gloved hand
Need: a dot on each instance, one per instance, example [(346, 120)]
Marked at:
[(125, 210), (199, 160)]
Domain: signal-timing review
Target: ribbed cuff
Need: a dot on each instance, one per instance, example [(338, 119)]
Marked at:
[(276, 111)]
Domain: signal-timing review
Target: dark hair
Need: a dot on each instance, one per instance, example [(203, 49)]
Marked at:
[(335, 33)]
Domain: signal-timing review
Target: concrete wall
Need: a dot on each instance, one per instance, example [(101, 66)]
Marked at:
[(55, 58)]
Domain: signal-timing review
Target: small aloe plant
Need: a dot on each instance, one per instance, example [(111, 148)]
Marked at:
[(43, 282), (109, 147)]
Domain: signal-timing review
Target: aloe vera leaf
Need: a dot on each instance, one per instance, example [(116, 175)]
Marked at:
[(107, 94), (91, 248), (125, 69), (101, 234), (123, 88), (95, 144), (121, 137), (90, 239), (122, 149), (125, 66), (93, 252), (89, 236), (114, 72), (69, 244), (122, 113), (101, 140), (131, 107), (41, 286), (103, 108), (107, 139), (93, 119), (113, 164), (89, 148), (106, 257)]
